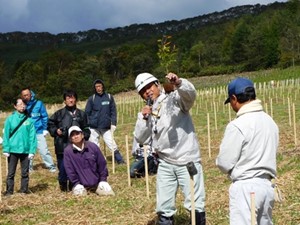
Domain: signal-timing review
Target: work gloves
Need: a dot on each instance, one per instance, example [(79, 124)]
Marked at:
[(103, 185), (45, 133), (79, 190), (113, 128), (30, 156)]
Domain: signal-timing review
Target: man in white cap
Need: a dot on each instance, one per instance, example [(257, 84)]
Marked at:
[(166, 119), (85, 165), (248, 155)]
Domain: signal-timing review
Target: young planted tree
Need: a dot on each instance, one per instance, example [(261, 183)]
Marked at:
[(167, 52)]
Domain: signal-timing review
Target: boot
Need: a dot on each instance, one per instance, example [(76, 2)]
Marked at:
[(118, 157), (63, 186), (200, 218), (70, 185), (163, 220)]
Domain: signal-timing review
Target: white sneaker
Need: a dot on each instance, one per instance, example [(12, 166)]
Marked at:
[(52, 170)]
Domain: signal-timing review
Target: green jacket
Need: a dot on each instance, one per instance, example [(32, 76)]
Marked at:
[(23, 140)]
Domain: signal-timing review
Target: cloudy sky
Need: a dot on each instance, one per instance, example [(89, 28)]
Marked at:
[(59, 16)]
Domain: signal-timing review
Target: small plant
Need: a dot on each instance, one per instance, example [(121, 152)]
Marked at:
[(167, 52)]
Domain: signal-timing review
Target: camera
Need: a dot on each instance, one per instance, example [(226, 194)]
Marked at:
[(64, 131)]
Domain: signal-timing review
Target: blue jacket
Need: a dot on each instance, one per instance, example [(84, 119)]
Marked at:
[(101, 111), (38, 114), (86, 167)]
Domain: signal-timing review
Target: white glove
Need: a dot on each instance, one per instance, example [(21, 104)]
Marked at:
[(6, 154), (45, 133), (1, 140), (30, 156), (113, 128), (103, 185), (79, 190)]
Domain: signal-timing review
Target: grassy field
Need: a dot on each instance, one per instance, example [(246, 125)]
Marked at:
[(279, 91)]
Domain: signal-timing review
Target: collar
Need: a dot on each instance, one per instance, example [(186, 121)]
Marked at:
[(157, 105), (77, 148), (253, 106)]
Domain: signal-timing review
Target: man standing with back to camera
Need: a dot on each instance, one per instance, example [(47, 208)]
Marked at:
[(37, 111), (102, 118), (171, 129), (248, 155)]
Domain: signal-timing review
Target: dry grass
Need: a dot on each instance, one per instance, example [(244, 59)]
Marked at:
[(130, 205)]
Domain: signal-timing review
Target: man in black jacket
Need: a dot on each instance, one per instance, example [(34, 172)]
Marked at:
[(58, 126), (102, 118)]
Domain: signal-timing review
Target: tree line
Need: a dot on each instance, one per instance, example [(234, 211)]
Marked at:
[(252, 42)]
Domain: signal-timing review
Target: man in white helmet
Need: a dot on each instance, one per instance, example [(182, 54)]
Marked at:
[(166, 119)]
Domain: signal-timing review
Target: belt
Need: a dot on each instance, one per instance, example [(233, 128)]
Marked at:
[(265, 176)]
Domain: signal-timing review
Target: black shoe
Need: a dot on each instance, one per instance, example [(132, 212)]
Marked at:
[(118, 157), (137, 174), (26, 192), (163, 220), (200, 218), (120, 162), (8, 194), (63, 186)]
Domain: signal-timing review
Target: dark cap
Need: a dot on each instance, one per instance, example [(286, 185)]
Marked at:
[(238, 86)]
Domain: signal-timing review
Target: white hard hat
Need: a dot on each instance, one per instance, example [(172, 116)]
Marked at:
[(144, 79)]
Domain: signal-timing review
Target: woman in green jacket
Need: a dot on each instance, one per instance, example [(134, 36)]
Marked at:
[(19, 143)]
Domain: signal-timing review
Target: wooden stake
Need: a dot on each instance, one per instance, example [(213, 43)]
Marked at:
[(266, 108), (113, 152), (294, 122), (146, 169), (193, 214), (192, 170), (104, 149), (271, 107), (289, 110), (229, 112), (208, 136), (6, 165), (0, 179), (127, 160), (215, 114), (253, 215)]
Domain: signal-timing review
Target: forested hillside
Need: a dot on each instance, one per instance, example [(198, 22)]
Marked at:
[(244, 38)]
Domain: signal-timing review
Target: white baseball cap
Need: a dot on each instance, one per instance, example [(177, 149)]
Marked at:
[(74, 128)]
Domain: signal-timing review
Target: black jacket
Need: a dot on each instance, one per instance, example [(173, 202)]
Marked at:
[(64, 119)]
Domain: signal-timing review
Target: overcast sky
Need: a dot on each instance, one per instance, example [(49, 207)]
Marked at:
[(60, 16)]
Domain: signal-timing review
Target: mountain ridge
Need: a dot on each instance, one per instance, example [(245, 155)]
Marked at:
[(135, 30)]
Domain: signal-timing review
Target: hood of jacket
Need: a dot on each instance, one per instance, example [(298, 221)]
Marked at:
[(97, 82), (32, 100), (32, 96)]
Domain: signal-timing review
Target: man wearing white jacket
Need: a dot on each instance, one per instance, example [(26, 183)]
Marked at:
[(248, 155), (171, 129)]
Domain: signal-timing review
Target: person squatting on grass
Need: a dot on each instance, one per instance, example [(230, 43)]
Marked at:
[(171, 129), (85, 165), (19, 143), (102, 118), (137, 168), (58, 126), (37, 111), (248, 155)]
